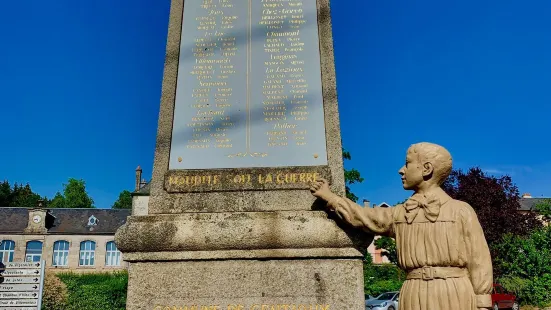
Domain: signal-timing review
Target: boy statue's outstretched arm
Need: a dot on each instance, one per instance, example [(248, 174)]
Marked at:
[(375, 220)]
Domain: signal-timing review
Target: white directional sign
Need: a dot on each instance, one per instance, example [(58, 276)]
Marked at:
[(24, 265), (18, 295), (21, 286), (21, 272), (21, 280), (20, 302)]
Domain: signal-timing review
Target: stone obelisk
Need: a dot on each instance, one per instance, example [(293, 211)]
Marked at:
[(248, 120)]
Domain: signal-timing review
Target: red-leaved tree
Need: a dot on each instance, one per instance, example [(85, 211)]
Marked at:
[(496, 202)]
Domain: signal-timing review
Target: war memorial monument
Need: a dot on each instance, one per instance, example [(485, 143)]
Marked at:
[(248, 122)]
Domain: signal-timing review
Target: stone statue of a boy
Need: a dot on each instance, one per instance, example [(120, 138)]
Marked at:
[(439, 240)]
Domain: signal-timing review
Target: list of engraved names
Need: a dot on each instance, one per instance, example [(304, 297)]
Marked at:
[(249, 88)]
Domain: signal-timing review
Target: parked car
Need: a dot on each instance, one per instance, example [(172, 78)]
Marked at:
[(385, 301), (368, 297), (502, 299)]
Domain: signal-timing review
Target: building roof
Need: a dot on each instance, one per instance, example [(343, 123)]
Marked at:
[(13, 219), (143, 191), (67, 221), (529, 204)]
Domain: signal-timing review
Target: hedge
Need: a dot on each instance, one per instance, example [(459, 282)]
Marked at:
[(94, 291)]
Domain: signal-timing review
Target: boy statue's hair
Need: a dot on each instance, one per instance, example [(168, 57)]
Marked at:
[(437, 155)]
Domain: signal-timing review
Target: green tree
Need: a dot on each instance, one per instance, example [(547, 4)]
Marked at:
[(75, 195), (57, 202), (544, 208), (379, 279), (525, 265), (23, 197), (388, 247), (350, 177), (5, 194), (124, 201)]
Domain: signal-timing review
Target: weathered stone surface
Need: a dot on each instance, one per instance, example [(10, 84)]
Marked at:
[(335, 284), (236, 231), (337, 253), (163, 202)]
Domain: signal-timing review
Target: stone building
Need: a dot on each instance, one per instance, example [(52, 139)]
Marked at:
[(67, 239)]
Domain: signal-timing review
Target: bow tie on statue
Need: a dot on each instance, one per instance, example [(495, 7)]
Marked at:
[(429, 203)]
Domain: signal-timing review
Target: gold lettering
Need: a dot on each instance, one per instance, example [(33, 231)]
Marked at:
[(316, 176), (294, 178), (216, 179), (302, 177)]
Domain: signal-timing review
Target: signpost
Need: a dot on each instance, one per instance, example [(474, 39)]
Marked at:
[(21, 286)]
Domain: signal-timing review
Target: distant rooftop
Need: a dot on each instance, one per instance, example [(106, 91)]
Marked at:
[(67, 221), (528, 203), (144, 190)]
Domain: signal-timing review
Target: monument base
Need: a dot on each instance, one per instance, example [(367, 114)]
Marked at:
[(292, 260), (297, 284)]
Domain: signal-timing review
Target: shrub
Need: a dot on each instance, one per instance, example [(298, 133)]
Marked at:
[(526, 265), (96, 291), (537, 291), (513, 284), (54, 296), (383, 278)]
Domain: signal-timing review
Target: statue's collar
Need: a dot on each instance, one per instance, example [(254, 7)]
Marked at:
[(438, 193)]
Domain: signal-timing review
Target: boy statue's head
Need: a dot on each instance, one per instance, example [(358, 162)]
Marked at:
[(427, 166)]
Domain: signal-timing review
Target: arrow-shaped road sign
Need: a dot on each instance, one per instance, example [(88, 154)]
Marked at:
[(20, 280), (22, 265), (21, 272), (18, 295), (18, 287), (20, 302)]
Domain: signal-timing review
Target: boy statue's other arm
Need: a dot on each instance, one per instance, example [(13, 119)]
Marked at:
[(376, 220)]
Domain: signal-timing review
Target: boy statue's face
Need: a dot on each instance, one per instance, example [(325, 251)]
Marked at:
[(412, 171)]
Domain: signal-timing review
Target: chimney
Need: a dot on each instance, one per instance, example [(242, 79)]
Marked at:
[(138, 178), (366, 203), (526, 195)]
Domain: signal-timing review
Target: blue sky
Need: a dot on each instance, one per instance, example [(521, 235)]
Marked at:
[(80, 84)]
